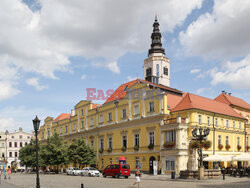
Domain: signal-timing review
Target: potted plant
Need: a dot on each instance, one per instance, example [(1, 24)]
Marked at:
[(169, 144), (101, 150), (124, 148), (206, 144), (247, 147), (227, 147), (109, 149), (220, 146), (136, 147), (195, 144), (151, 146), (239, 147)]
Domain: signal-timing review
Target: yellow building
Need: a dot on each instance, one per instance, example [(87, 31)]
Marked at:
[(146, 121)]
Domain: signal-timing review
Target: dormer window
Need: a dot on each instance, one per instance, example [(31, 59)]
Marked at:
[(148, 72), (165, 71)]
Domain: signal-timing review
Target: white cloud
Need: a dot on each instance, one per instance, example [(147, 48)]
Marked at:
[(83, 76), (201, 91), (112, 66), (8, 124), (236, 74), (194, 71), (34, 82), (222, 34), (130, 78), (7, 90), (41, 42)]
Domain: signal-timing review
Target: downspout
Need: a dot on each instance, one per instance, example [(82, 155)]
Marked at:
[(213, 135)]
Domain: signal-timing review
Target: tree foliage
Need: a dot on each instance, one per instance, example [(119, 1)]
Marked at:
[(80, 153)]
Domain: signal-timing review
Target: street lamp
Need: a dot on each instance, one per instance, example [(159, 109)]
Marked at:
[(36, 124), (200, 135)]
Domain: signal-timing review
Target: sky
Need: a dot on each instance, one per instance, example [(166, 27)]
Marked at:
[(52, 51)]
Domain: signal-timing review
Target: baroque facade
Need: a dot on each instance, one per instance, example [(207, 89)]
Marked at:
[(146, 121)]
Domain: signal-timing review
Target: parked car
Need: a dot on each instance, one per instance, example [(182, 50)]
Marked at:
[(74, 171), (90, 171), (117, 170)]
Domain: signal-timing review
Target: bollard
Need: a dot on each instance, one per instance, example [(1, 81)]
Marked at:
[(82, 185), (172, 175), (223, 171)]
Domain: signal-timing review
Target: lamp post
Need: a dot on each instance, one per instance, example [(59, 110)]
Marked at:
[(200, 135), (36, 124)]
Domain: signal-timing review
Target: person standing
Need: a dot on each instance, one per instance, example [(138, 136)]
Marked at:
[(9, 172), (137, 176)]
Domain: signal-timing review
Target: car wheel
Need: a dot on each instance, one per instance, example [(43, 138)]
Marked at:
[(104, 175), (126, 177), (116, 176)]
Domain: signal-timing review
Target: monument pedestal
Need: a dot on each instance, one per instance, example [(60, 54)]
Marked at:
[(201, 173)]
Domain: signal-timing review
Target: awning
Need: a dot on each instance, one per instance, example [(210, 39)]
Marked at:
[(216, 157), (242, 157)]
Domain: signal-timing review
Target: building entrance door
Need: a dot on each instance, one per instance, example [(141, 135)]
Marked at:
[(151, 165)]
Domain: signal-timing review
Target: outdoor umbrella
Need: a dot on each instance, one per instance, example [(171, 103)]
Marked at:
[(217, 157)]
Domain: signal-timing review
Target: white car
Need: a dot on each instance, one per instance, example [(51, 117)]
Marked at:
[(74, 171), (90, 171)]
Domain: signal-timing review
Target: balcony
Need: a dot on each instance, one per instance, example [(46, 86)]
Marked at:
[(175, 120)]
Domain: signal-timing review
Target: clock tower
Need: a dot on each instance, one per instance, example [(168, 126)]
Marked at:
[(157, 66)]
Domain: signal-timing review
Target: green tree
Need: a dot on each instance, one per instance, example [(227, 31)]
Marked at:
[(27, 155), (54, 152), (80, 153)]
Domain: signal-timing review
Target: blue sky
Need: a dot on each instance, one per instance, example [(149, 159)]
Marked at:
[(50, 52)]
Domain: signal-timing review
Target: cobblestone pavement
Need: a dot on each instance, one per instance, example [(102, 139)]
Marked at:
[(161, 181)]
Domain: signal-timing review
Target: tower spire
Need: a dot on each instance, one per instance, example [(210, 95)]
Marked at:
[(156, 45)]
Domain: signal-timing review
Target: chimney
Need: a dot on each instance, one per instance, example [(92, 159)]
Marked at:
[(229, 93)]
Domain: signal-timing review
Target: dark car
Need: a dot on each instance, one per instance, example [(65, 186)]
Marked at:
[(117, 170)]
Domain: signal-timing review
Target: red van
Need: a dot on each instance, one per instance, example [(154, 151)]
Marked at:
[(117, 170)]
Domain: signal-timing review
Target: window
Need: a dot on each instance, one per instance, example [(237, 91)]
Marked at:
[(82, 124), (61, 130), (137, 161), (28, 137), (246, 141), (239, 125), (216, 121), (110, 160), (48, 133), (2, 144), (15, 144), (2, 155), (26, 144), (109, 116), (170, 165), (208, 120), (157, 70), (124, 113), (151, 106), (227, 140), (15, 154), (10, 144), (170, 136), (199, 119), (91, 122), (102, 163), (110, 142), (101, 119), (102, 143), (21, 144), (148, 72), (20, 136), (124, 141), (136, 109), (234, 124), (66, 129), (42, 134), (165, 70), (227, 124), (152, 138), (92, 143), (10, 154), (82, 112), (54, 131), (74, 127), (238, 141), (12, 137), (137, 140), (219, 139)]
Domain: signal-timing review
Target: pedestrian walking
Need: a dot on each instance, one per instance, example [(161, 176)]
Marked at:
[(9, 172), (0, 175), (5, 174), (137, 176)]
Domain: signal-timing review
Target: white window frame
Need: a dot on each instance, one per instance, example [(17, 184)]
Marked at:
[(101, 118), (239, 125), (136, 112), (151, 106), (91, 122), (227, 123), (110, 116), (82, 123), (238, 141), (126, 138), (102, 143), (234, 125), (137, 139), (227, 140), (208, 120), (200, 119), (124, 115), (74, 127), (171, 136), (151, 137), (219, 139), (110, 142), (216, 121), (170, 165), (82, 112)]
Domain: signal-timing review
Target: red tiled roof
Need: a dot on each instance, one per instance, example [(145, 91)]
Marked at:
[(231, 100), (119, 93), (62, 116), (173, 100), (95, 105), (191, 101)]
